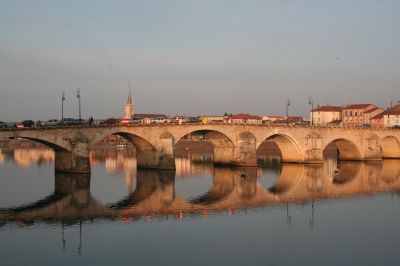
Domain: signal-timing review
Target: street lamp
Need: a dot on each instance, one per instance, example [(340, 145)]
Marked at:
[(287, 110), (78, 95), (62, 105), (311, 102)]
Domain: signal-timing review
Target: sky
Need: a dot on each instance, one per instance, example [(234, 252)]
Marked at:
[(196, 57)]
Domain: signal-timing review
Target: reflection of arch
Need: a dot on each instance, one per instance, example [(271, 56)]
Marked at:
[(390, 171), (347, 149), (155, 187), (223, 184), (390, 147), (289, 176), (347, 172), (289, 148), (71, 200)]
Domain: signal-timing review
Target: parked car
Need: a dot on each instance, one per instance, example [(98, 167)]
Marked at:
[(3, 125), (70, 122), (365, 126), (51, 123), (28, 123)]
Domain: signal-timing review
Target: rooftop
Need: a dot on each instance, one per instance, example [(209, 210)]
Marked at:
[(358, 106), (245, 116), (395, 110), (328, 108)]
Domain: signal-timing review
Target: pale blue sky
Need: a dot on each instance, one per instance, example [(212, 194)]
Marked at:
[(196, 57)]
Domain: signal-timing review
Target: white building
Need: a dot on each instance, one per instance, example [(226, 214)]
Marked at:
[(391, 117)]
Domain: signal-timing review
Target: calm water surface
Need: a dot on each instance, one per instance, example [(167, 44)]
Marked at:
[(336, 214)]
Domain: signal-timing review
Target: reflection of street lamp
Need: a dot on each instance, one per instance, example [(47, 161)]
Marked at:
[(287, 110), (311, 102), (312, 219), (288, 218), (78, 95), (62, 106)]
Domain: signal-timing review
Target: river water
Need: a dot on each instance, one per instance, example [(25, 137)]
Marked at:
[(338, 213)]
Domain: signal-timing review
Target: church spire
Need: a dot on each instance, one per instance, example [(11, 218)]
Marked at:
[(129, 94), (129, 109)]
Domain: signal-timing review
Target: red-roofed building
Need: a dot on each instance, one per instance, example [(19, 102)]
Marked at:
[(377, 121), (323, 115), (391, 117), (359, 114), (245, 119)]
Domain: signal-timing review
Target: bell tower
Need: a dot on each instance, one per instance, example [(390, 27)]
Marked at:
[(129, 111)]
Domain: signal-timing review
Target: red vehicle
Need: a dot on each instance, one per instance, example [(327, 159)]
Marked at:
[(125, 121), (19, 125)]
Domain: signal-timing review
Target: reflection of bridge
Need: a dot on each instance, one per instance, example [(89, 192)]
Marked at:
[(233, 144), (232, 189)]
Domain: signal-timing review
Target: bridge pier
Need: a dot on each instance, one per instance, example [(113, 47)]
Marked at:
[(155, 159), (74, 161), (161, 157)]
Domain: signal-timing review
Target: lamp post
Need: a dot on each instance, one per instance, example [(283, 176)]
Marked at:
[(287, 110), (78, 95), (62, 105), (311, 102)]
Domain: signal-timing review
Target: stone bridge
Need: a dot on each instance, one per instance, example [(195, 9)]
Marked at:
[(234, 145), (232, 189)]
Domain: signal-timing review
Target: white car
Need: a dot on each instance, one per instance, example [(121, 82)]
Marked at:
[(51, 123)]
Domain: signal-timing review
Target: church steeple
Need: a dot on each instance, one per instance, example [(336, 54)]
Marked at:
[(129, 95), (129, 104)]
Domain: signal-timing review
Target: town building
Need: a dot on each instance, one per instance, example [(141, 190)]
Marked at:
[(244, 119), (359, 114), (151, 118), (326, 114), (377, 121), (271, 119), (213, 119), (391, 117)]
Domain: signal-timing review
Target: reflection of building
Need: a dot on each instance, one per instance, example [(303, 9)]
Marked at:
[(2, 157), (193, 164), (116, 161), (27, 157)]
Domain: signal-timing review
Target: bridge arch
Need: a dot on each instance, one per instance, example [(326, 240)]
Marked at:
[(140, 143), (390, 147), (347, 150), (288, 146), (56, 147), (223, 148)]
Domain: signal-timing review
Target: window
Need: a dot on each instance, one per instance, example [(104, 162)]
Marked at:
[(351, 113), (355, 113)]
